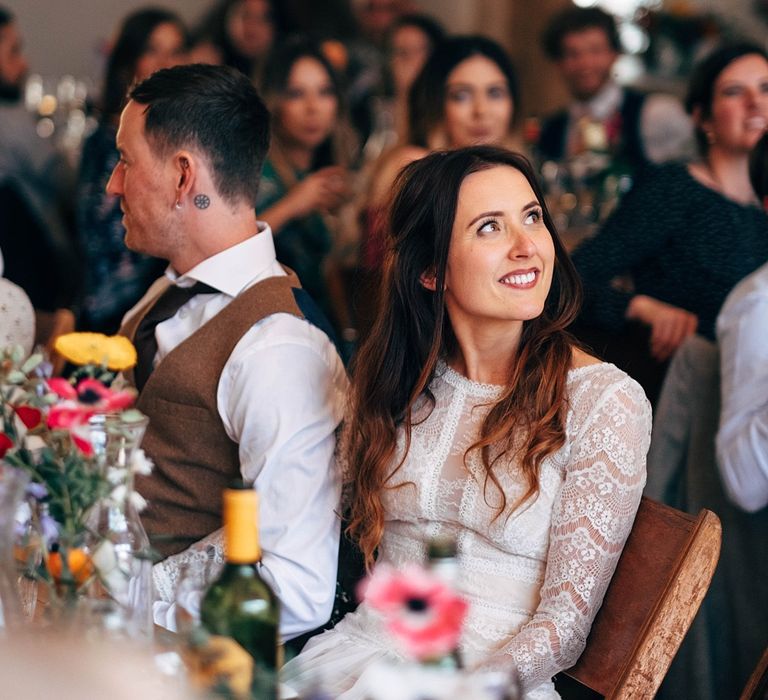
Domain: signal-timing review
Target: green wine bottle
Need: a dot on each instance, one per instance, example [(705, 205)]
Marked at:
[(240, 604)]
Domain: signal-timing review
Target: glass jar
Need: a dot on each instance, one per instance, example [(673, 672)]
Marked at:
[(121, 590)]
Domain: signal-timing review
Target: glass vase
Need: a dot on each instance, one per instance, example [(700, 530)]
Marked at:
[(120, 595), (12, 485)]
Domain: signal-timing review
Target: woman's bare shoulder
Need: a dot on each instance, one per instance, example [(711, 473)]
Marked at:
[(580, 358)]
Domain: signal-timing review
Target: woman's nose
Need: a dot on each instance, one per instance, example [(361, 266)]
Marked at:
[(521, 246)]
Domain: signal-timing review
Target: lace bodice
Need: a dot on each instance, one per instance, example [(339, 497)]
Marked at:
[(535, 578)]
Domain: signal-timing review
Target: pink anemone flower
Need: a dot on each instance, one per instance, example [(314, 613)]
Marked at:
[(82, 402), (102, 399), (419, 610), (62, 388)]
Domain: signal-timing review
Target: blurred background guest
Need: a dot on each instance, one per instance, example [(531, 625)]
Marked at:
[(240, 34), (305, 177), (640, 128), (115, 277), (411, 41), (35, 190), (685, 235)]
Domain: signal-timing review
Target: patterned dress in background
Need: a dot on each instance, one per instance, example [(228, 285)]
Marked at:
[(115, 277)]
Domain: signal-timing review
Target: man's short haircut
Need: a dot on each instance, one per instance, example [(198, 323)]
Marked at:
[(5, 17), (214, 110), (578, 19)]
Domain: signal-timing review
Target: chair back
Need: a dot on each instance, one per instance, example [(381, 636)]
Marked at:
[(660, 581), (757, 685)]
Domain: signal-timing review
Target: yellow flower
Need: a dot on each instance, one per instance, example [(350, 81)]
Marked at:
[(116, 351)]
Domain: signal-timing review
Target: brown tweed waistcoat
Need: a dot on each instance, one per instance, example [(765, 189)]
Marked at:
[(194, 457)]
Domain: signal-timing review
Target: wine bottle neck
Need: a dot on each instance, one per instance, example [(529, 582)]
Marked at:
[(241, 530)]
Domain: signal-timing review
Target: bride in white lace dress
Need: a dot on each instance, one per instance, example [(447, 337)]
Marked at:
[(474, 417)]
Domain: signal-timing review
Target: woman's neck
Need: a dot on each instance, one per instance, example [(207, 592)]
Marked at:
[(728, 174), (486, 356)]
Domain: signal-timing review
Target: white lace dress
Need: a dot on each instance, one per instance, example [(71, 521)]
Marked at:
[(534, 580)]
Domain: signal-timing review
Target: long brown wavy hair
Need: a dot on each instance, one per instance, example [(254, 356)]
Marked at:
[(397, 362)]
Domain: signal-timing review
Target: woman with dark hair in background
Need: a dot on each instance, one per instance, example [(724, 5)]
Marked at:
[(240, 34), (410, 43), (684, 234), (474, 417), (305, 177), (116, 278)]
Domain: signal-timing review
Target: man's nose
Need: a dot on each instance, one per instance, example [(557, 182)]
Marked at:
[(114, 184)]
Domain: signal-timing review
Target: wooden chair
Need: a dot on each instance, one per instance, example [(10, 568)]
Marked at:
[(757, 685), (660, 581)]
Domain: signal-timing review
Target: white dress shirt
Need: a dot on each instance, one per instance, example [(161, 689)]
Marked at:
[(666, 131), (742, 439), (281, 397)]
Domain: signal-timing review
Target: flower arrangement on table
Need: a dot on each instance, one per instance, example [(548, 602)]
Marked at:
[(57, 431)]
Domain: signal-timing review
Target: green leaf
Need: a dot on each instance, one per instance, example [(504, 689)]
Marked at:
[(32, 362), (16, 377)]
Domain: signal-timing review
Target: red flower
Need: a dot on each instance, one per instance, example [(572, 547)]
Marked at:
[(5, 444), (68, 415), (62, 388), (31, 417), (82, 444), (422, 613)]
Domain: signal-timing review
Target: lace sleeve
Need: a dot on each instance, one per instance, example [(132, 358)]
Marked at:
[(204, 559), (591, 520)]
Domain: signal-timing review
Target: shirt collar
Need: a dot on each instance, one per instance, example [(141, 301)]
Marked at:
[(601, 105), (233, 269)]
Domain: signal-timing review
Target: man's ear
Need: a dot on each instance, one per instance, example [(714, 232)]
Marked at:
[(185, 169), (428, 280)]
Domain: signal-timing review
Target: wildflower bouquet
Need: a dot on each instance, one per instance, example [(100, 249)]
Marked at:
[(58, 431)]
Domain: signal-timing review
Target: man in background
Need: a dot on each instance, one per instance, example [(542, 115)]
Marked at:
[(636, 127)]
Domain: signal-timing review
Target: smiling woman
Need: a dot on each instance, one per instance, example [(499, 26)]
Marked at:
[(475, 418), (499, 266)]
